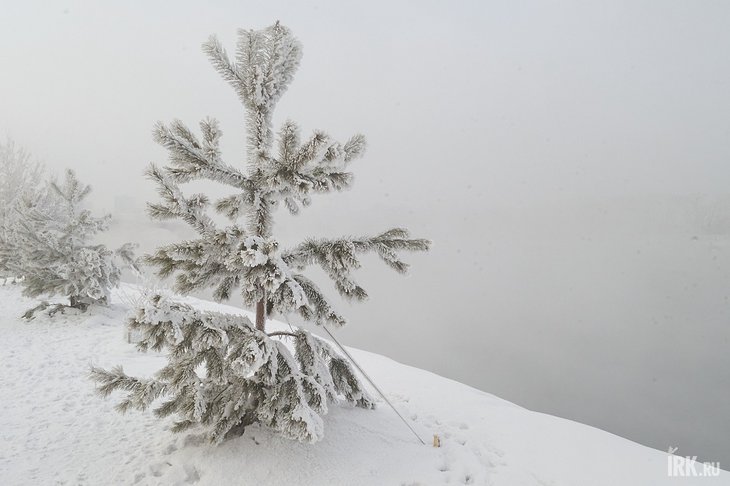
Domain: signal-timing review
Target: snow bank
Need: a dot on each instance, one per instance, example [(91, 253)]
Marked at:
[(55, 430)]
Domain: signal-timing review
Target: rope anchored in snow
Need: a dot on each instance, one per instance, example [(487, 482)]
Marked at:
[(370, 380)]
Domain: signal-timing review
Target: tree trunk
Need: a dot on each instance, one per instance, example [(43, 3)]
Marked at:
[(261, 315), (75, 303)]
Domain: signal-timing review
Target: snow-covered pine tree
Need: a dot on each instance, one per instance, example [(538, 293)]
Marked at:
[(224, 372), (55, 255), (21, 180)]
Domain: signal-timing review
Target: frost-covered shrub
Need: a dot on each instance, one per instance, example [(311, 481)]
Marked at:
[(249, 376), (223, 373), (52, 238), (21, 181)]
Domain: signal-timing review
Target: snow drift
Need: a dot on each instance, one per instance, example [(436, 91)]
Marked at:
[(55, 430)]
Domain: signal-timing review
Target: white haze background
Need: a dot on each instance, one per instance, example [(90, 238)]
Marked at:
[(570, 160)]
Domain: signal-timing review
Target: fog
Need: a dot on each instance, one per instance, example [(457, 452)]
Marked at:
[(568, 159)]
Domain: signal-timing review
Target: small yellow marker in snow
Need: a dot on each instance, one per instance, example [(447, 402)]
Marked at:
[(436, 441)]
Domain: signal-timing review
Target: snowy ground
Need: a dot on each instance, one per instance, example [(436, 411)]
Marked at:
[(55, 430)]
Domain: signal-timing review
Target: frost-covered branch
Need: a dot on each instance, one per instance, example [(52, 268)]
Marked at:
[(338, 257), (201, 263), (190, 210), (281, 333), (141, 393), (303, 297), (195, 159), (317, 166), (222, 374), (266, 61)]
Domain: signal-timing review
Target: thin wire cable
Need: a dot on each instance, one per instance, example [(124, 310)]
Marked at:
[(352, 360), (367, 377)]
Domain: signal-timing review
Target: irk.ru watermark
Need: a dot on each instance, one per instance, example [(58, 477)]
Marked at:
[(687, 466)]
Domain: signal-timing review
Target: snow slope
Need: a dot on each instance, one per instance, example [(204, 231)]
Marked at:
[(55, 430)]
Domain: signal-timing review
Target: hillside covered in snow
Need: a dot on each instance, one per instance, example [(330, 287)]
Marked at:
[(56, 430)]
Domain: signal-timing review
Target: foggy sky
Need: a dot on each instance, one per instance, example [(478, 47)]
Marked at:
[(569, 160)]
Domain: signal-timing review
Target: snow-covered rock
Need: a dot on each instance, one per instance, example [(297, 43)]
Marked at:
[(55, 430)]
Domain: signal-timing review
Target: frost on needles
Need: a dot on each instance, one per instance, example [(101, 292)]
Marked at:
[(50, 238), (225, 372), (21, 182)]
